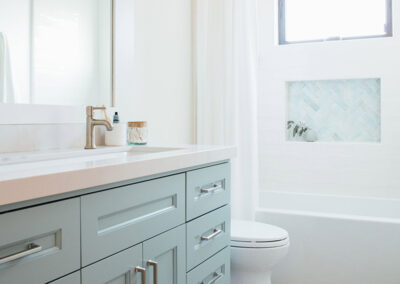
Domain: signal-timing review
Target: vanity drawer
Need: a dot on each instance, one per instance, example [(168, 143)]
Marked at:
[(207, 235), (40, 244), (116, 219), (215, 270), (207, 189)]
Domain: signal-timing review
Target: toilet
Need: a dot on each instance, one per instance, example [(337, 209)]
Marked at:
[(255, 249)]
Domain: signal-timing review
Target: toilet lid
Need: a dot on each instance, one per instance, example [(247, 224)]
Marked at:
[(255, 234)]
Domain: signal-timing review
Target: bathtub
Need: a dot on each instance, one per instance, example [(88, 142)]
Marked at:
[(335, 239)]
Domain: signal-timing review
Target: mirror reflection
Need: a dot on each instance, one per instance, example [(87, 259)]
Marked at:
[(56, 52)]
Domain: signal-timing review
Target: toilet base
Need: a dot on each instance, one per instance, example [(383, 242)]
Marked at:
[(255, 265), (250, 277)]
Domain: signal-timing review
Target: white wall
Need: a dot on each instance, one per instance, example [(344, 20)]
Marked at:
[(153, 73), (153, 67), (327, 168)]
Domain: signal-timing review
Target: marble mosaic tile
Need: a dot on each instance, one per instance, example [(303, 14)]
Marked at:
[(337, 110)]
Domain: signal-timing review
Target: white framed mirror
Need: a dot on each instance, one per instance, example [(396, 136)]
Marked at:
[(56, 52)]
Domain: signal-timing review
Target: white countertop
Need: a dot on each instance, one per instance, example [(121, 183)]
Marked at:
[(27, 176)]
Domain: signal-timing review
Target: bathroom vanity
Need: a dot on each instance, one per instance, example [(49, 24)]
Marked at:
[(125, 215)]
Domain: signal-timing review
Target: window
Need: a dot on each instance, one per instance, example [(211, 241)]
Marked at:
[(321, 20)]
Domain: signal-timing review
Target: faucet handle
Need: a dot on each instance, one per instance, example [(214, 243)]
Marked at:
[(99, 108), (90, 109)]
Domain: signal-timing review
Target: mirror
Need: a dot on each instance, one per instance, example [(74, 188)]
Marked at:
[(56, 52)]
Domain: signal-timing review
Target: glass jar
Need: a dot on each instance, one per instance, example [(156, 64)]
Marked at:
[(137, 132)]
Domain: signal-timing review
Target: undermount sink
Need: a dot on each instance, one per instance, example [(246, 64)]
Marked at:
[(80, 155)]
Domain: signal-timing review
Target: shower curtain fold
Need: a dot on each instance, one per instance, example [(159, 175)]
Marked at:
[(226, 88), (6, 81)]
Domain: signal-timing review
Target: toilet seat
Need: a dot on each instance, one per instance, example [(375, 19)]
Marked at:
[(248, 234)]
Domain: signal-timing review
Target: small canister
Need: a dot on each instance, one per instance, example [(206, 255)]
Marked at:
[(137, 132)]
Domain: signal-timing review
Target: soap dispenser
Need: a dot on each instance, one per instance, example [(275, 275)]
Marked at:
[(116, 137)]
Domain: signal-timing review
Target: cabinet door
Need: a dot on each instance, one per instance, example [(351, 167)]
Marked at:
[(120, 268), (164, 257)]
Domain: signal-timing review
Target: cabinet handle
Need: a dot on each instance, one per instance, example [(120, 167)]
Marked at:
[(213, 235), (214, 188), (155, 270), (30, 249), (217, 276), (141, 270)]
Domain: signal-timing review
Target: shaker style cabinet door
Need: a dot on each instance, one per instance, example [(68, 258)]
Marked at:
[(164, 257), (121, 268)]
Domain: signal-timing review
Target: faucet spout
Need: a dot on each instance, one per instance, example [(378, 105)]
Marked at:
[(105, 123), (91, 122)]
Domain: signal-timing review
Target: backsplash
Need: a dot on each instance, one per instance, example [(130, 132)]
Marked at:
[(41, 137), (337, 110)]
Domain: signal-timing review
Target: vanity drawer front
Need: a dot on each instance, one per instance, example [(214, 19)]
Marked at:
[(207, 235), (40, 244), (217, 269), (207, 189), (116, 219)]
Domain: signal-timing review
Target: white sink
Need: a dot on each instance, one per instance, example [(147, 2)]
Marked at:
[(80, 155)]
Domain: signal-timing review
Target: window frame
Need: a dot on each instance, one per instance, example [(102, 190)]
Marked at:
[(282, 27)]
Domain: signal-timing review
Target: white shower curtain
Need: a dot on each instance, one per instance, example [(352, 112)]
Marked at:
[(6, 82), (226, 87)]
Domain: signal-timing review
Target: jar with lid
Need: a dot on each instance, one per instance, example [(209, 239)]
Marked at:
[(137, 133)]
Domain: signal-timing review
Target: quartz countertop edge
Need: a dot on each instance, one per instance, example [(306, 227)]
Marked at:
[(15, 188)]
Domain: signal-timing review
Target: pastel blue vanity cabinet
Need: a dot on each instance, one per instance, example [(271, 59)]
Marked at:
[(165, 229)]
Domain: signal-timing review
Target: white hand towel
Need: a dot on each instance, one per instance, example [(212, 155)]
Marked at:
[(6, 81)]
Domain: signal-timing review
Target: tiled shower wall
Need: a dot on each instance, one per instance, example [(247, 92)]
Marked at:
[(337, 110), (346, 168)]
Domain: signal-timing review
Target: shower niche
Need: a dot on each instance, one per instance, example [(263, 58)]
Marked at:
[(334, 110)]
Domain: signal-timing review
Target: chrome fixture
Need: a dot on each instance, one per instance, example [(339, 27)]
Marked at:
[(30, 249), (91, 123), (141, 270), (216, 276), (155, 270), (212, 236)]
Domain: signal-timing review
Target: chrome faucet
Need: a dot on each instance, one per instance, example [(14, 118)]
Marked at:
[(91, 123)]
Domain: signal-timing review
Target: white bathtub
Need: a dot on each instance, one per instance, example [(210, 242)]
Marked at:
[(335, 239)]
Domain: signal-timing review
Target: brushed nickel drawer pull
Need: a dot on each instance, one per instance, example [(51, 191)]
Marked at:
[(155, 270), (213, 235), (143, 272), (217, 276), (214, 188), (30, 249)]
